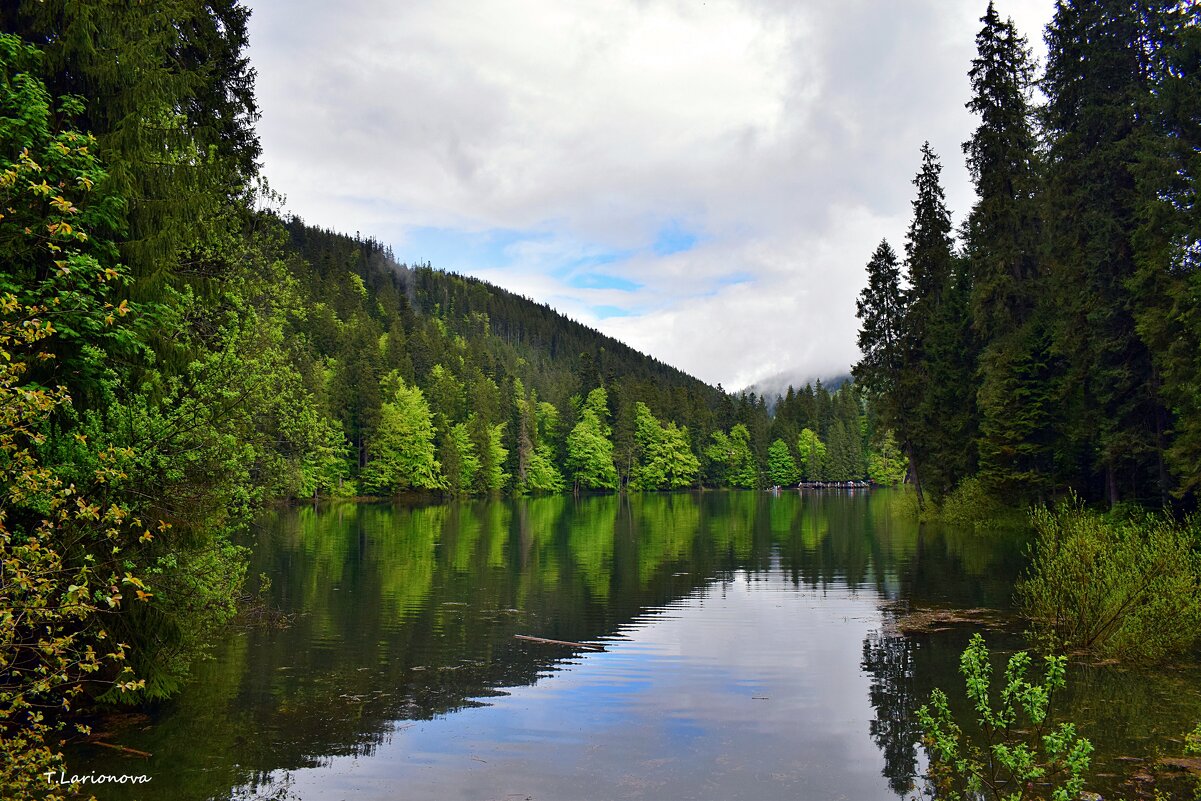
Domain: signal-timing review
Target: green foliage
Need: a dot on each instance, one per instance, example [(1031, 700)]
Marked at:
[(66, 546), (886, 464), (1127, 589), (459, 462), (589, 450), (1020, 755), (62, 565), (492, 476), (812, 452), (666, 460), (1192, 741), (971, 503), (781, 467), (402, 452), (731, 458)]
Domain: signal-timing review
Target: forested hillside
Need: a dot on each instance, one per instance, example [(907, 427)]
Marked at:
[(1052, 346), (486, 360)]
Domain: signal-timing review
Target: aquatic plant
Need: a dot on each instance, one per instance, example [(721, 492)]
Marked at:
[(1018, 755)]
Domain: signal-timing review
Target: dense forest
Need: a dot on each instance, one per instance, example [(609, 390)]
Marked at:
[(509, 395), (1051, 344), (178, 351)]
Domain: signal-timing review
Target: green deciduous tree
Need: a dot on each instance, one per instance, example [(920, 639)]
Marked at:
[(781, 467), (886, 464), (811, 453), (589, 450), (665, 459), (732, 462), (401, 455)]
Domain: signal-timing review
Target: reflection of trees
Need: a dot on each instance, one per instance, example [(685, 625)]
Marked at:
[(409, 612), (889, 660)]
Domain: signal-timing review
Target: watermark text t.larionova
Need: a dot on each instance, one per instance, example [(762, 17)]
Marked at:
[(95, 778)]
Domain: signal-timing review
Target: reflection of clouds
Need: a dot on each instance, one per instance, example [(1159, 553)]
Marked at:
[(746, 688), (781, 136)]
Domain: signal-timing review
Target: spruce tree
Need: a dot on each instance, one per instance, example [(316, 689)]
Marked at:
[(1096, 84), (1014, 370), (933, 394), (880, 310), (1168, 239)]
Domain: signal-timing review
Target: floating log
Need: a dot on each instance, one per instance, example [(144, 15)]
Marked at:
[(124, 749), (543, 641)]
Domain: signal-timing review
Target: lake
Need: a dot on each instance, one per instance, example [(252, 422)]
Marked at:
[(749, 653)]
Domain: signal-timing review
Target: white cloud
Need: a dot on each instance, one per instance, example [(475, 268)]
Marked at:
[(784, 135)]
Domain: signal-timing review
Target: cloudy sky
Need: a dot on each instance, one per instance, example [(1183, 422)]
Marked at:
[(704, 179)]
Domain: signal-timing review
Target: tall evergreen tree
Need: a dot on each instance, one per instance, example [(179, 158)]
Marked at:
[(880, 310), (933, 392), (1002, 230), (1096, 84), (1168, 238), (1015, 372)]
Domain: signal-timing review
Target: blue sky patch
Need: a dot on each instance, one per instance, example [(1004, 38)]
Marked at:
[(673, 238), (605, 312), (592, 280)]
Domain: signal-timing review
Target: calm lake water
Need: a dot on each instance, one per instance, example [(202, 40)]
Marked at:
[(748, 655)]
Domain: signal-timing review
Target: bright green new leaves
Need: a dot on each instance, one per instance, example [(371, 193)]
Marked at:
[(402, 452), (732, 461), (541, 473), (589, 450), (886, 465), (490, 441), (781, 467), (1020, 745), (666, 458), (459, 462), (812, 453)]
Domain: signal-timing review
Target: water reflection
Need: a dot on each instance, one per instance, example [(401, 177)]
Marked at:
[(745, 656)]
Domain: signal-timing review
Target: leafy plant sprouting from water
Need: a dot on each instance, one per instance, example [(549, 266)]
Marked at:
[(1019, 755), (1192, 747)]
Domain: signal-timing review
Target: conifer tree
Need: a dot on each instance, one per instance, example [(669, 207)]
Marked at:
[(880, 310), (1168, 238), (1096, 86), (934, 403), (1001, 244)]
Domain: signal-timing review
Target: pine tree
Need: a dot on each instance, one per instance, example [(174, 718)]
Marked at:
[(1002, 231)]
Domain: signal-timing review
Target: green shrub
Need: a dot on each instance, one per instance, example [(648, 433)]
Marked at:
[(1127, 589), (970, 503), (1018, 749)]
